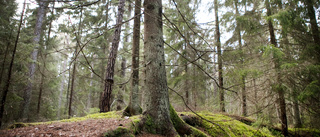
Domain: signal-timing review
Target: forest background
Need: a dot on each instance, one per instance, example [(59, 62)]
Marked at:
[(254, 58)]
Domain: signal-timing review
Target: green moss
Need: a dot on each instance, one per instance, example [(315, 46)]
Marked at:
[(182, 127), (149, 125), (197, 133), (307, 132), (119, 132), (230, 126), (112, 114)]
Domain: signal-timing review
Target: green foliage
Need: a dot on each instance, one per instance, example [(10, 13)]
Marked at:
[(311, 90), (288, 65), (273, 52)]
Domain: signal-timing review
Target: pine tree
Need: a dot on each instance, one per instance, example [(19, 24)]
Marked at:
[(133, 107), (43, 4)]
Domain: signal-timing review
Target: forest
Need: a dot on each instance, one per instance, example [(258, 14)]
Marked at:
[(167, 61)]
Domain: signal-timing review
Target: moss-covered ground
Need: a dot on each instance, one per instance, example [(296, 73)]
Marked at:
[(208, 124)]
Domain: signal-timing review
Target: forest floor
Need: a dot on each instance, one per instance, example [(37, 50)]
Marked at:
[(87, 128), (77, 127), (97, 125)]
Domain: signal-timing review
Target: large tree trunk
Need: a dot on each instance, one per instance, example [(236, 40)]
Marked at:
[(278, 87), (7, 84), (43, 4), (134, 102), (218, 44), (156, 117), (43, 68), (44, 59), (106, 96)]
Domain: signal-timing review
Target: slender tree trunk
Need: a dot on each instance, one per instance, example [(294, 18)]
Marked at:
[(43, 4), (279, 89), (5, 58), (218, 44), (68, 91), (40, 91), (144, 81), (73, 76), (61, 90), (74, 70), (156, 93), (8, 82), (106, 96), (104, 47), (296, 110), (243, 79), (134, 102), (90, 91), (186, 84), (120, 100)]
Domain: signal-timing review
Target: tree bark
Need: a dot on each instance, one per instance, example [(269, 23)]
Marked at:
[(278, 87), (73, 76), (8, 82), (156, 117), (43, 4), (134, 102), (218, 44), (40, 90), (186, 84), (313, 22), (106, 96)]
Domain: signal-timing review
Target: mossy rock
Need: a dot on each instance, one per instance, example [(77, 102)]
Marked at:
[(119, 132)]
